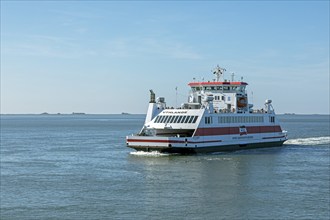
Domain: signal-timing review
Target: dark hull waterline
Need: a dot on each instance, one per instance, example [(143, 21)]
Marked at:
[(212, 149)]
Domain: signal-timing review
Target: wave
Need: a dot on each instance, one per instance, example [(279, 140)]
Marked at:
[(309, 141), (150, 154)]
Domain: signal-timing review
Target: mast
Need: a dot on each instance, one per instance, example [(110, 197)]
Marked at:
[(218, 71)]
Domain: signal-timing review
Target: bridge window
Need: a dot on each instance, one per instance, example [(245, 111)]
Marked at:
[(158, 119), (187, 119), (191, 119), (167, 118), (173, 119), (176, 119), (182, 119), (163, 119)]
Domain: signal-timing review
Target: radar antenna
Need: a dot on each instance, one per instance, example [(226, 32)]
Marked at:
[(218, 71)]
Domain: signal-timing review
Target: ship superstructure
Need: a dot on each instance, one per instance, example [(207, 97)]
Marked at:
[(217, 117)]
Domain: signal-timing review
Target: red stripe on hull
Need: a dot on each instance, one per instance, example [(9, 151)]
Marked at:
[(235, 130), (171, 141)]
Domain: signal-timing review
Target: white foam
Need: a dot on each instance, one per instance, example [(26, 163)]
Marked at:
[(309, 141), (149, 154)]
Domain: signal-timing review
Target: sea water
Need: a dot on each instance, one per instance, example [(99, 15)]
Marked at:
[(78, 167)]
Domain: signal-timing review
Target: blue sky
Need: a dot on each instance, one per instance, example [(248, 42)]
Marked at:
[(104, 56)]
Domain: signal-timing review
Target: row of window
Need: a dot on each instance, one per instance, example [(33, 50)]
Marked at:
[(217, 98), (225, 88), (209, 119), (176, 119), (241, 119)]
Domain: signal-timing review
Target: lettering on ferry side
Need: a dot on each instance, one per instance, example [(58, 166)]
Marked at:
[(175, 112), (243, 137)]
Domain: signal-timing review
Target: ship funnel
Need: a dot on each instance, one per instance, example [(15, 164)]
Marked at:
[(154, 108), (152, 96)]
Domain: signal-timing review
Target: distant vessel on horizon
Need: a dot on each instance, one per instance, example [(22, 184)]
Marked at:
[(78, 113), (217, 117), (125, 113)]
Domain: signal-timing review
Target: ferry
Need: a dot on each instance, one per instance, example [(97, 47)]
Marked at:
[(217, 117)]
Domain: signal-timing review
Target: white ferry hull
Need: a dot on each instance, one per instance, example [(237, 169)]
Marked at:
[(201, 144)]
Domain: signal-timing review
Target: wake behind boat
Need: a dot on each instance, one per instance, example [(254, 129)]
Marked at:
[(217, 117)]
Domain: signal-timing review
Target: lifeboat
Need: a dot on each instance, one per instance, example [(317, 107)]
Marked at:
[(241, 102)]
